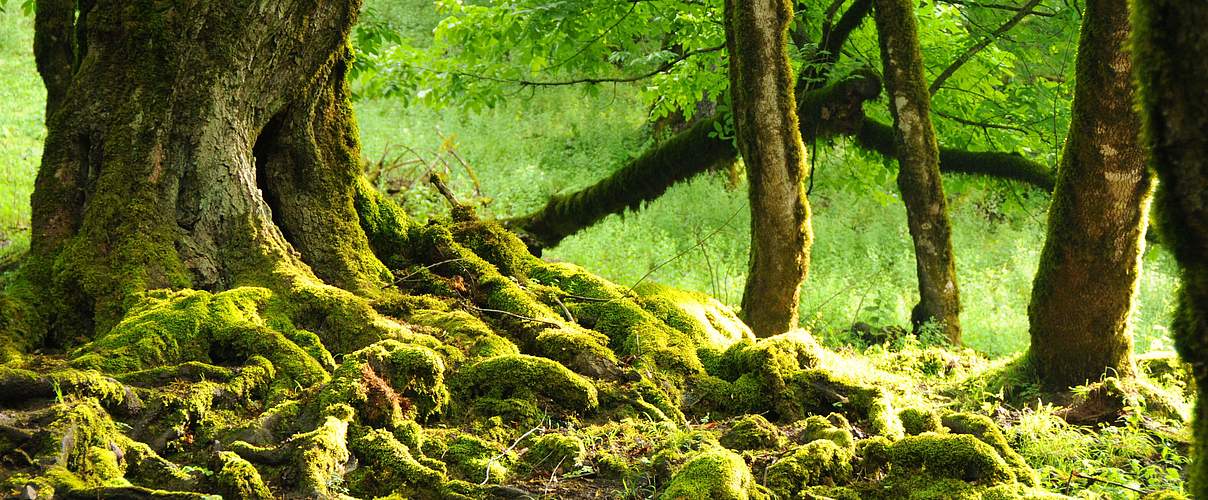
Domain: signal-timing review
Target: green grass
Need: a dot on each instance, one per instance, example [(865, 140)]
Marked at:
[(22, 98)]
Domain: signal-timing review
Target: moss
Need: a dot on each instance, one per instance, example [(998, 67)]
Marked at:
[(555, 452), (477, 460), (759, 372), (168, 328), (611, 466), (819, 462), (466, 332), (321, 453), (236, 478), (981, 427), (917, 421), (496, 245), (389, 467), (817, 427), (581, 350), (526, 377), (822, 391), (873, 454), (714, 474), (706, 320), (961, 457), (752, 432), (669, 355)]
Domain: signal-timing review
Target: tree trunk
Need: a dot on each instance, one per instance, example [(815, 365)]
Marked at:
[(203, 148), (765, 121), (1082, 297), (1170, 50), (919, 171)]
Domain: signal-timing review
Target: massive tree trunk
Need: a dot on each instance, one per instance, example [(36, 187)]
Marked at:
[(1170, 53), (765, 122), (1082, 296), (205, 148), (919, 170)]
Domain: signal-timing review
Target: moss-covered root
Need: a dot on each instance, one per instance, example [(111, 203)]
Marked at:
[(717, 474), (78, 449), (318, 457), (821, 462), (981, 427), (390, 467), (237, 478)]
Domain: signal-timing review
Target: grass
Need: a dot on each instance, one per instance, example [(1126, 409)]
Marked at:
[(862, 266), (22, 98)]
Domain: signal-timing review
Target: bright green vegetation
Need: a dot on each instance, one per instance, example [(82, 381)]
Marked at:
[(21, 131)]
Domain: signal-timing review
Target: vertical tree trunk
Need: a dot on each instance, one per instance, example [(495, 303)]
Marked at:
[(1083, 293), (765, 119), (919, 171), (1170, 50), (199, 147)]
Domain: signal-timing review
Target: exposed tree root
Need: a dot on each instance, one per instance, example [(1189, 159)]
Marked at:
[(428, 391)]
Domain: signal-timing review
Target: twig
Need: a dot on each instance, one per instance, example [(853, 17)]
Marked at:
[(487, 477), (430, 266), (514, 315), (663, 68), (569, 316), (685, 251), (1094, 479), (977, 47)]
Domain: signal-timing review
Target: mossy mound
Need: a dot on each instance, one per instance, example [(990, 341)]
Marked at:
[(487, 372)]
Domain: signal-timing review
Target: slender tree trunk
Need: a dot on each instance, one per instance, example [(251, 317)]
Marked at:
[(919, 170), (1082, 297), (205, 147), (1170, 50), (765, 119)]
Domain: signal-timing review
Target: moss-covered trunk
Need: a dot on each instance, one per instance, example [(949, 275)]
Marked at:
[(201, 147), (765, 121), (1170, 54), (1082, 296), (919, 170)]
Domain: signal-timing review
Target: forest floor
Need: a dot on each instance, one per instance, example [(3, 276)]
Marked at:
[(857, 409)]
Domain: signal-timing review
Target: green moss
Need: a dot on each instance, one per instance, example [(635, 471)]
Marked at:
[(817, 427), (961, 457), (477, 460), (527, 377), (819, 462), (981, 427), (707, 321), (917, 421), (466, 332), (236, 478), (321, 453), (388, 466), (555, 452), (717, 474), (611, 466), (752, 432), (168, 328), (496, 245), (873, 454)]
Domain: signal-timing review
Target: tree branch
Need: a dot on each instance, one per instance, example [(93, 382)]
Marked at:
[(832, 110), (985, 42)]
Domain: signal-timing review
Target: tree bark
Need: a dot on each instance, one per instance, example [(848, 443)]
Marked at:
[(201, 147), (1170, 51), (765, 122), (919, 170), (1082, 296)]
